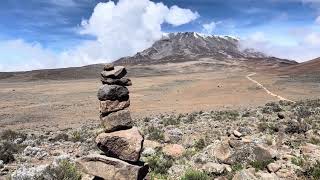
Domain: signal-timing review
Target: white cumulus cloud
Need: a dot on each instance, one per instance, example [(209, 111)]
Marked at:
[(305, 49), (318, 20), (120, 29), (209, 27)]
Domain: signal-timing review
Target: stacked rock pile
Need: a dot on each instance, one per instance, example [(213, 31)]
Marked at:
[(121, 143)]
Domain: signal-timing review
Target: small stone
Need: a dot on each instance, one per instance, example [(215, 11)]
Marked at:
[(285, 173), (119, 120), (273, 167), (281, 115), (113, 92), (267, 176), (117, 73), (110, 168), (1, 164), (214, 168), (108, 67), (173, 150), (237, 133), (148, 151), (246, 174), (125, 145), (107, 107), (120, 82)]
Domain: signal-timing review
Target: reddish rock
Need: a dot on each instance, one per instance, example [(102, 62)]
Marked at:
[(107, 107)]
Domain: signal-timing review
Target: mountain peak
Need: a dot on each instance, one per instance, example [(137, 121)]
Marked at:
[(184, 46)]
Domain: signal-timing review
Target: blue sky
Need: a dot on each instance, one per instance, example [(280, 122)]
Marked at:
[(60, 33)]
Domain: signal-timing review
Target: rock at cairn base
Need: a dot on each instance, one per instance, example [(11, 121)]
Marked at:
[(113, 92), (125, 145), (111, 168), (117, 73), (107, 107), (116, 121)]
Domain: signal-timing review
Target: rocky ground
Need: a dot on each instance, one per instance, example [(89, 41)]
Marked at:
[(277, 141)]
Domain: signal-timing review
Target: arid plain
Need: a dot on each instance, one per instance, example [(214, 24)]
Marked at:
[(179, 87)]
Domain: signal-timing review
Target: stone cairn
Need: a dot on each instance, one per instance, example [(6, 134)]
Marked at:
[(121, 143)]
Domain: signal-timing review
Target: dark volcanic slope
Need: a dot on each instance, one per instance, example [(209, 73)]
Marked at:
[(309, 67)]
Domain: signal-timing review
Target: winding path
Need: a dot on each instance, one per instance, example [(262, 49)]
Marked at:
[(265, 89)]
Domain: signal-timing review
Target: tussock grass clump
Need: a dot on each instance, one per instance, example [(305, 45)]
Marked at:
[(10, 135), (195, 175), (65, 171), (154, 134), (261, 165), (159, 163)]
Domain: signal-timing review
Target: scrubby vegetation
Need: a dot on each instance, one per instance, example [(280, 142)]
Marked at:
[(64, 171), (195, 175), (207, 144)]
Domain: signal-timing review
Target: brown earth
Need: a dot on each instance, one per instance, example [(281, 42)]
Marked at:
[(180, 87)]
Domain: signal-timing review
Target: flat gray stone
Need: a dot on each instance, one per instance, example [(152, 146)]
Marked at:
[(117, 73), (110, 168), (120, 82)]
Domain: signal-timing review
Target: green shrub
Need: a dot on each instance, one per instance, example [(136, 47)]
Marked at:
[(314, 171), (10, 135), (236, 167), (7, 151), (297, 161), (261, 165), (159, 163), (195, 175), (65, 171), (226, 115), (171, 120), (315, 141), (200, 144), (155, 134)]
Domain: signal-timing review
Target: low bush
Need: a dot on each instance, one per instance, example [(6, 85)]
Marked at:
[(261, 165), (65, 171), (155, 134), (10, 135), (159, 163), (195, 175)]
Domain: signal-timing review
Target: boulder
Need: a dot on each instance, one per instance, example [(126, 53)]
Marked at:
[(117, 73), (273, 167), (110, 168), (214, 168), (125, 145), (173, 150), (119, 120), (246, 174), (120, 82), (113, 92), (107, 107), (248, 152), (108, 67), (237, 133)]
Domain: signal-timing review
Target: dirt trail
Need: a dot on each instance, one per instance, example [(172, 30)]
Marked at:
[(265, 89)]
